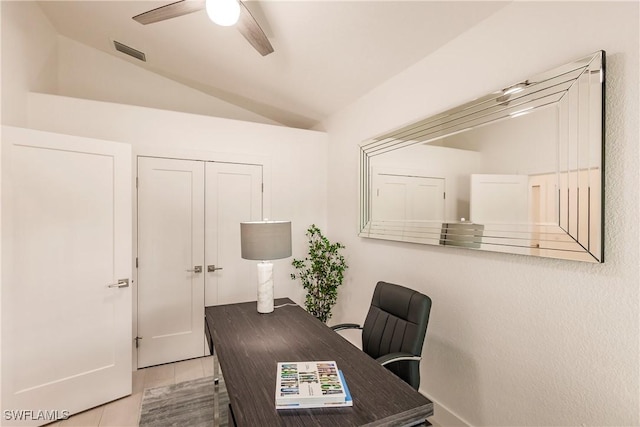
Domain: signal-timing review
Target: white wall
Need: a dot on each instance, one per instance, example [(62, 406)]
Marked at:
[(85, 72), (29, 57), (512, 340)]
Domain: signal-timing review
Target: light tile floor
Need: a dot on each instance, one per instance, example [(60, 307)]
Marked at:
[(126, 411)]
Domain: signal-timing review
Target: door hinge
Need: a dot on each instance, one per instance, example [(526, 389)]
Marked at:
[(137, 340), (444, 195), (136, 182), (136, 262), (262, 187)]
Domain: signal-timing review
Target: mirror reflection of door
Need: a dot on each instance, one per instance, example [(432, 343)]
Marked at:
[(408, 197)]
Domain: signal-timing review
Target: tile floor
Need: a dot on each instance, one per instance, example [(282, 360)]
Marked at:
[(125, 412)]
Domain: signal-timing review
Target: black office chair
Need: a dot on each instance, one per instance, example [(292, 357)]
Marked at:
[(394, 330)]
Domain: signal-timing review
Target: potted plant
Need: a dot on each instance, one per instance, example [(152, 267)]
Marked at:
[(321, 272)]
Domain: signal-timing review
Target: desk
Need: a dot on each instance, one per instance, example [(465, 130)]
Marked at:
[(249, 345)]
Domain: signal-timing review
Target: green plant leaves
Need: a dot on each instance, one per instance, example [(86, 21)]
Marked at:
[(321, 272)]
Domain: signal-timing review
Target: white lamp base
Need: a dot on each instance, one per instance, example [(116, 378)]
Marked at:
[(265, 287)]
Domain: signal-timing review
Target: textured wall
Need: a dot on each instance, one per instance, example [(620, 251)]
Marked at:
[(513, 340)]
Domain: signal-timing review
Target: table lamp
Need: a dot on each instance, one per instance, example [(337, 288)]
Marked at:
[(265, 241)]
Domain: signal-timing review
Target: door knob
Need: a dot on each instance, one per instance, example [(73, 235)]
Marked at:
[(122, 283), (196, 269), (212, 268)]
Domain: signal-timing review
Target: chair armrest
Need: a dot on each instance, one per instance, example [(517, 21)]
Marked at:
[(396, 357), (342, 326)]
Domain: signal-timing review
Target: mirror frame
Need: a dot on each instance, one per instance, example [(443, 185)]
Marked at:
[(563, 88)]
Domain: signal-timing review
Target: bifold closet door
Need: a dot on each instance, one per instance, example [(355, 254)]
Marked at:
[(170, 260), (189, 215), (66, 265), (233, 195)]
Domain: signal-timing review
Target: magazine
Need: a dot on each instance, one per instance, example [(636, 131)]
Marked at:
[(311, 385)]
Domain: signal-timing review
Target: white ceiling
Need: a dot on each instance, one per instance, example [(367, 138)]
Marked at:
[(327, 53)]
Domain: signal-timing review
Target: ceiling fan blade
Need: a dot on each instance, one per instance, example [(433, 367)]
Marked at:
[(249, 28), (179, 8)]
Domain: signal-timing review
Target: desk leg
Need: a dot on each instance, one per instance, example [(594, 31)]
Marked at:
[(232, 418), (216, 393)]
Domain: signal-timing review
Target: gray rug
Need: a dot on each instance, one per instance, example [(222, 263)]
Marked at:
[(190, 403)]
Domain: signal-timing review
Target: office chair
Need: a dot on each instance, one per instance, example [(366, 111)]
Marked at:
[(394, 329)]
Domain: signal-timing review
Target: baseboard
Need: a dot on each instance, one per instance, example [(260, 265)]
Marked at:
[(444, 417)]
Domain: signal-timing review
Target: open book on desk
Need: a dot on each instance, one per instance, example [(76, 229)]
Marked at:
[(311, 385)]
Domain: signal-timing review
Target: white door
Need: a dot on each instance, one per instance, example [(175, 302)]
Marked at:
[(408, 197), (170, 253), (233, 195), (427, 199), (66, 219)]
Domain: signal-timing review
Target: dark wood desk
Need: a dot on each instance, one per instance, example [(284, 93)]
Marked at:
[(249, 345)]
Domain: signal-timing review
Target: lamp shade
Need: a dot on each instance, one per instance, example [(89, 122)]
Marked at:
[(265, 240)]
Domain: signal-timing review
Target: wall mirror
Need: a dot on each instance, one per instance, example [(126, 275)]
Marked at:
[(518, 171)]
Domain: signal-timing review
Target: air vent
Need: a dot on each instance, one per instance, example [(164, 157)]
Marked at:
[(130, 51)]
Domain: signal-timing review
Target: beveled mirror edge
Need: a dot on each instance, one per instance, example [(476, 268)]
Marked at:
[(584, 256), (603, 67)]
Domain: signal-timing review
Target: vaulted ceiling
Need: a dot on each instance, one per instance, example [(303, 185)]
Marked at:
[(327, 53)]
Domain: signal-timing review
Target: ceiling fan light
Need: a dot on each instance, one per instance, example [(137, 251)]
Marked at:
[(223, 12)]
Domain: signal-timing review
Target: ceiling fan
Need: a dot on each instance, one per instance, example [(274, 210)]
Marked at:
[(246, 23)]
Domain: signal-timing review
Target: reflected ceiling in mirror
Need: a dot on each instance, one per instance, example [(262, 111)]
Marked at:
[(517, 171)]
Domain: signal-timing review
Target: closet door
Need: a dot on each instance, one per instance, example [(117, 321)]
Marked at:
[(170, 260), (66, 265), (233, 195)]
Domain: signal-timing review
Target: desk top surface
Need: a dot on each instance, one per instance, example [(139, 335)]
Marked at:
[(249, 345)]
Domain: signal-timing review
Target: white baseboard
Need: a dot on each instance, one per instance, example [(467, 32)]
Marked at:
[(444, 417)]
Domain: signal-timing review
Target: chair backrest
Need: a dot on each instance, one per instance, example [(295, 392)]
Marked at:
[(397, 322)]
